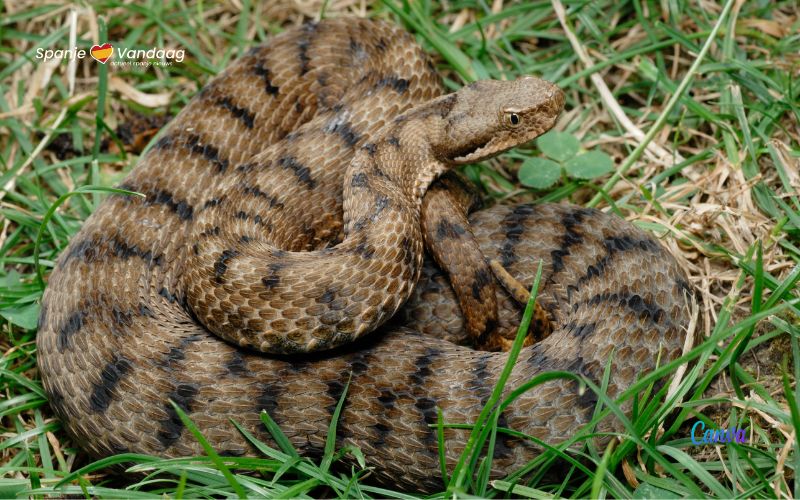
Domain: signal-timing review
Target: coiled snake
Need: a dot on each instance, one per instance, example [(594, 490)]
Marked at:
[(282, 212)]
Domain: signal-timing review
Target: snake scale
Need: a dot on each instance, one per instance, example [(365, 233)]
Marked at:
[(284, 212)]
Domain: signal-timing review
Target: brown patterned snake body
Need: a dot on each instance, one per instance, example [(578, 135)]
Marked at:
[(245, 229)]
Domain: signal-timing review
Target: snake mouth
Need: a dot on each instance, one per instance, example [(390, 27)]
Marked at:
[(477, 152)]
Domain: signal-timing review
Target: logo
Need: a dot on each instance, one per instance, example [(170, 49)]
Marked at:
[(102, 53), (122, 56), (703, 436)]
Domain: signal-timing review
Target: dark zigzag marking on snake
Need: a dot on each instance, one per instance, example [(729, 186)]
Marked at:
[(347, 133), (213, 202), (480, 280), (539, 360), (569, 221), (177, 352), (481, 377), (488, 329), (98, 248), (581, 331), (242, 114), (103, 390), (400, 85), (256, 219), (236, 364), (309, 31), (208, 151), (513, 225), (382, 44), (154, 196), (171, 427), (424, 403), (171, 298), (211, 94), (383, 427), (586, 401), (221, 264), (273, 278), (577, 366), (613, 245), (119, 317), (381, 203), (357, 51), (263, 72), (194, 143), (391, 81), (359, 180), (371, 148), (339, 125), (255, 191), (270, 393), (268, 398), (449, 230), (637, 304), (302, 172), (122, 318), (364, 249)]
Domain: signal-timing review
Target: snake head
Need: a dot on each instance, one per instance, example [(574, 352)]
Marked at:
[(488, 117)]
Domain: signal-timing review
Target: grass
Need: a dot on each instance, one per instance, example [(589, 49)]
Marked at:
[(696, 102)]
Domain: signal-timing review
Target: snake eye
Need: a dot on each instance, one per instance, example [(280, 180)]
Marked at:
[(514, 119)]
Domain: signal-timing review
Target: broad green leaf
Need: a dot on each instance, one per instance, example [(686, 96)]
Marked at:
[(648, 491), (26, 316), (520, 490), (13, 488), (589, 165), (558, 146), (539, 173), (11, 281)]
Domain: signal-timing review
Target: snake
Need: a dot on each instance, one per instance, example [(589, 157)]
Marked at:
[(301, 238)]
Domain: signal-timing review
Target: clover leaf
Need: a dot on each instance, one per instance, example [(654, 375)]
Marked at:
[(565, 158)]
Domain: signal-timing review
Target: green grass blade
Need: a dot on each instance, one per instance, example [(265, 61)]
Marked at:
[(461, 472), (52, 210), (212, 454)]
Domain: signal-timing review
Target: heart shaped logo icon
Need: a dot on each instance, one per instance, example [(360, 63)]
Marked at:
[(102, 53)]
